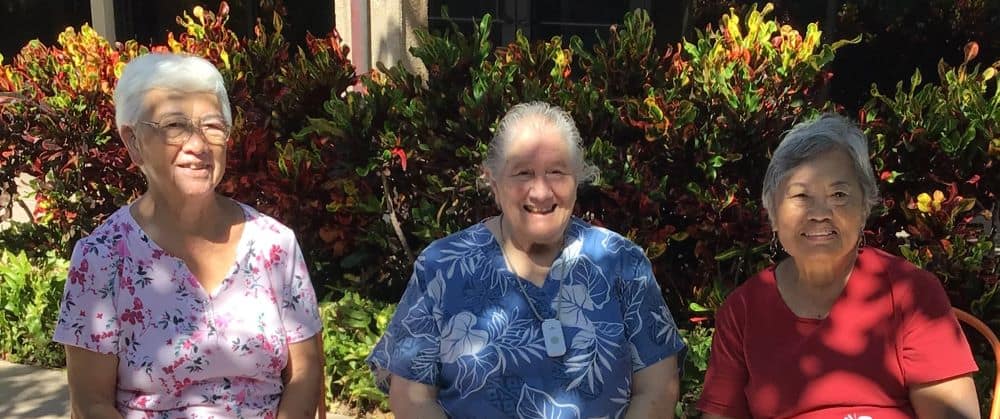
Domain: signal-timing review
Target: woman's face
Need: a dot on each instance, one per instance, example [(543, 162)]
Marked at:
[(184, 170), (820, 209), (536, 189)]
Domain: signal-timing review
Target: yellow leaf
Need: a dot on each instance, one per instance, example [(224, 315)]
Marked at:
[(938, 199), (654, 109), (924, 202), (989, 73)]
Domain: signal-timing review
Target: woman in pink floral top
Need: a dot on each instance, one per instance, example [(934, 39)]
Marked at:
[(184, 303)]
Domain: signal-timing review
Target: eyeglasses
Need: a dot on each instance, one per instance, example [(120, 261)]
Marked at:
[(178, 130)]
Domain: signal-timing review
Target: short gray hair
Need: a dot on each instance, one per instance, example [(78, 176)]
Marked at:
[(809, 139), (539, 113), (186, 73)]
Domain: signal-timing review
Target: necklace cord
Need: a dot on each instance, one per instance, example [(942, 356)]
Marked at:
[(517, 277)]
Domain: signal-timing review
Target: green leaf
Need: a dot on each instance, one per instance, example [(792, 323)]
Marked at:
[(697, 308), (729, 254)]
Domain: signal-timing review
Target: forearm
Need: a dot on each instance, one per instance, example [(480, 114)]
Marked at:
[(301, 395), (646, 406)]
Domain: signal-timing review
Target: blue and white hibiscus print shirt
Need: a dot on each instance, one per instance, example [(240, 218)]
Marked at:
[(464, 326)]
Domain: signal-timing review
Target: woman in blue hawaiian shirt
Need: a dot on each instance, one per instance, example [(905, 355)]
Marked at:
[(533, 313)]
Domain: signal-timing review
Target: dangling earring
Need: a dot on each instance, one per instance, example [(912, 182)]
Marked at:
[(861, 241), (775, 247)]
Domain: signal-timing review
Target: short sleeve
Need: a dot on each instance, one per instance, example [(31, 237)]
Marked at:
[(726, 379), (88, 317), (652, 333), (932, 346), (411, 345), (299, 310)]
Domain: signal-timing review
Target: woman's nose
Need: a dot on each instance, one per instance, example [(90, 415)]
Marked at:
[(820, 211), (540, 188), (196, 142)]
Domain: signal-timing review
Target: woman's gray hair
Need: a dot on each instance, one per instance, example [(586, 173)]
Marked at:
[(185, 73), (809, 139), (539, 114)]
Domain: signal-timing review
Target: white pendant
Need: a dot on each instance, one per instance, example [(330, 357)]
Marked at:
[(555, 342)]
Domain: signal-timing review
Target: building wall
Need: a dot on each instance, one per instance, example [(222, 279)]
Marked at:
[(381, 31)]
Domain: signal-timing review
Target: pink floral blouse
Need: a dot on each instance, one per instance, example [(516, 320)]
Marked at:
[(181, 352)]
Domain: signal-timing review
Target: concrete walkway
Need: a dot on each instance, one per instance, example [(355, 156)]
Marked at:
[(30, 392), (38, 393)]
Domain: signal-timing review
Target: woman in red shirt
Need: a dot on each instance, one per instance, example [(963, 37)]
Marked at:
[(835, 330)]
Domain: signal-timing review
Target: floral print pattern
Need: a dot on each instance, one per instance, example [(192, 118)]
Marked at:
[(183, 353), (464, 326)]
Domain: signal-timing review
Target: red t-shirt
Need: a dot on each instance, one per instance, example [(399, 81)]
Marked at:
[(891, 328)]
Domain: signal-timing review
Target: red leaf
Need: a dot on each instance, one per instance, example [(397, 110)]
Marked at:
[(398, 151)]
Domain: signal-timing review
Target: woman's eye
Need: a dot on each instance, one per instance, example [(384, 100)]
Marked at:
[(840, 194)]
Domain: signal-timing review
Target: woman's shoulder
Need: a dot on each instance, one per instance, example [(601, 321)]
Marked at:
[(906, 281), (897, 269), (476, 237), (109, 234), (606, 239), (263, 222), (758, 288)]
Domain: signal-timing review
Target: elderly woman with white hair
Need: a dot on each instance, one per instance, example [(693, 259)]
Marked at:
[(532, 313), (185, 303), (836, 329)]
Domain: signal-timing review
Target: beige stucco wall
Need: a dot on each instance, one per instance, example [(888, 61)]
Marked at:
[(414, 16), (102, 16), (383, 27)]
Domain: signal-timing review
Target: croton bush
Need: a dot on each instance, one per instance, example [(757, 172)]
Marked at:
[(369, 169)]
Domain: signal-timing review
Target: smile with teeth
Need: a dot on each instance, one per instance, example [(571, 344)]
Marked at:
[(194, 166), (820, 233), (536, 210)]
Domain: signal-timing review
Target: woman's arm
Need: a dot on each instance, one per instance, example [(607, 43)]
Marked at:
[(93, 381), (303, 380), (946, 399), (655, 390), (413, 400)]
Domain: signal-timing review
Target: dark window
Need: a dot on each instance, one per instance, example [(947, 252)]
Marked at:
[(149, 21), (542, 19), (24, 20), (465, 14)]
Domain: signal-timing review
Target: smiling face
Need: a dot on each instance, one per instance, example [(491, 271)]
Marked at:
[(182, 171), (536, 186), (820, 209)]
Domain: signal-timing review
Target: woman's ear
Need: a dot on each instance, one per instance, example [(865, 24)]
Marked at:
[(491, 181), (127, 134)]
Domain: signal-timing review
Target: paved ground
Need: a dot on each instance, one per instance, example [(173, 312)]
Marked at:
[(37, 393), (29, 392)]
